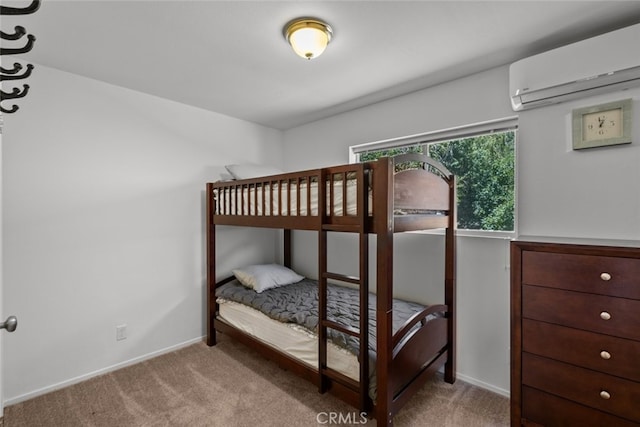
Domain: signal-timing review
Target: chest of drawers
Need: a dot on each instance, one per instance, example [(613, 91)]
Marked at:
[(575, 333)]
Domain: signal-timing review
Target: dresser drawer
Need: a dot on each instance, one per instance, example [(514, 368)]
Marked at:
[(607, 393), (587, 273), (607, 315), (604, 353), (551, 411)]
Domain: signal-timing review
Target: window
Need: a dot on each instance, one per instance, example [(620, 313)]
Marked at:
[(483, 160)]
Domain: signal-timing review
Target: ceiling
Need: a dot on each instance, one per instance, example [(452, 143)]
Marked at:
[(230, 56)]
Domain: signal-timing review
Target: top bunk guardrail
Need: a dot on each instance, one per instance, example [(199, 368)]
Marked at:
[(420, 193)]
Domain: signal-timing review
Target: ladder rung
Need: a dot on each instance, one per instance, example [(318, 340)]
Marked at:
[(342, 228), (344, 329), (341, 378), (341, 277)]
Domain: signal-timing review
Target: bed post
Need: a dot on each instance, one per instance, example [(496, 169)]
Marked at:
[(364, 179), (211, 266), (383, 217), (287, 248), (450, 283), (323, 384)]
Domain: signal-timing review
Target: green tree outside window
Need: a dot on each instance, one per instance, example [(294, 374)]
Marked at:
[(484, 168)]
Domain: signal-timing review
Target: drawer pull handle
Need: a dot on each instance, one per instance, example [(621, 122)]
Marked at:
[(605, 316), (605, 276), (605, 395), (605, 355)]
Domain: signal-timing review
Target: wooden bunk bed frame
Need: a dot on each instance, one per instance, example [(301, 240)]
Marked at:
[(404, 360)]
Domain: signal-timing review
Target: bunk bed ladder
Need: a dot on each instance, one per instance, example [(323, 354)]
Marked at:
[(362, 282)]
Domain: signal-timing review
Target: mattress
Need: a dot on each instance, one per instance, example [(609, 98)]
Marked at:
[(289, 338)]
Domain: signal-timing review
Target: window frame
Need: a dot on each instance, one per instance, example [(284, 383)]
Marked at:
[(507, 124)]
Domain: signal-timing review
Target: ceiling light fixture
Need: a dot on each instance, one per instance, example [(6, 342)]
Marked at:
[(308, 37)]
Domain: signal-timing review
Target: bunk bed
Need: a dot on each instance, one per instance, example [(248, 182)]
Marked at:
[(404, 193)]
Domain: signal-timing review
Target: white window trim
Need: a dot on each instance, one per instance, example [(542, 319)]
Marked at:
[(458, 132)]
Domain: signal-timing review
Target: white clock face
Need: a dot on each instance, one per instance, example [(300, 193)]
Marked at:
[(602, 125)]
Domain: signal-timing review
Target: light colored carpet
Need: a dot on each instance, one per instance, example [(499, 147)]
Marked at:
[(229, 385)]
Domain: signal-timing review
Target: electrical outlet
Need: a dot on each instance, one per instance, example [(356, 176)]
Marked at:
[(121, 332)]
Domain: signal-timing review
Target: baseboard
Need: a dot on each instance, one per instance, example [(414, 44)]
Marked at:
[(102, 371), (483, 385)]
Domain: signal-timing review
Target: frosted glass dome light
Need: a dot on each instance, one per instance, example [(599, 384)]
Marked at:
[(308, 37)]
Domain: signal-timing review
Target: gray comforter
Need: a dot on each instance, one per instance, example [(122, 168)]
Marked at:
[(298, 303)]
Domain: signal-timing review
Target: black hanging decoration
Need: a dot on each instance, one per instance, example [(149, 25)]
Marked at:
[(18, 32), (18, 72)]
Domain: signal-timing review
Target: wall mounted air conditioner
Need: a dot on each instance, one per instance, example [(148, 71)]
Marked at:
[(600, 64)]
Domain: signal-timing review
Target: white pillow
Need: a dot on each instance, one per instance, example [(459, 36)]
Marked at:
[(251, 170), (266, 276)]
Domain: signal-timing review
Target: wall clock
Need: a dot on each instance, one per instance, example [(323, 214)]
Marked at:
[(602, 125)]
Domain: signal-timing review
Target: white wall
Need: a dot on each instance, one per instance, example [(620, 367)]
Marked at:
[(590, 193), (104, 225), (483, 275), (474, 99)]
